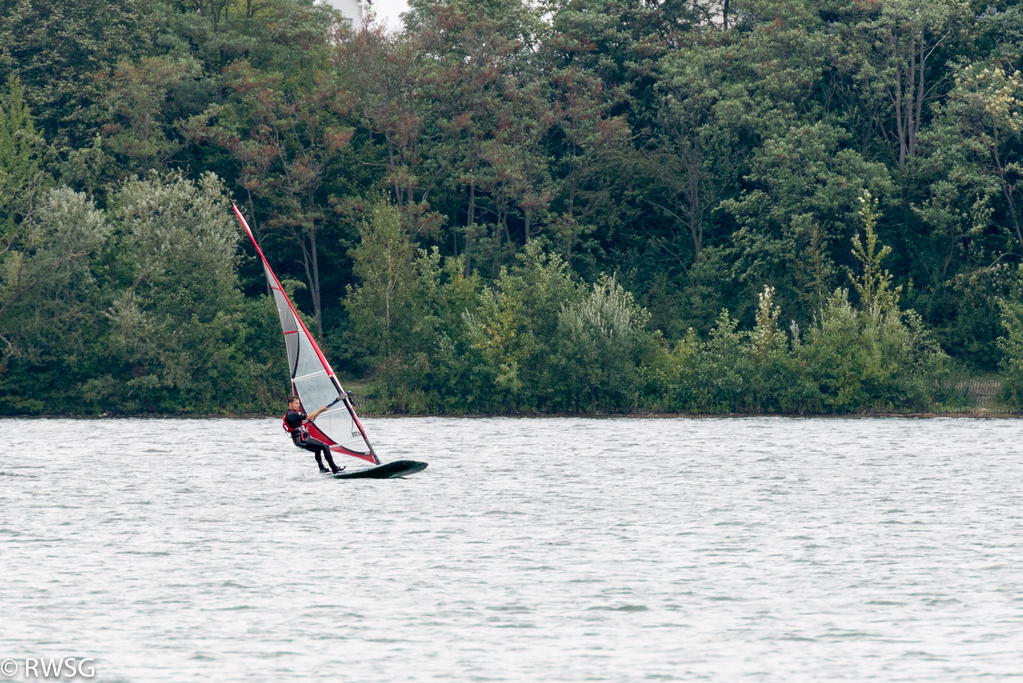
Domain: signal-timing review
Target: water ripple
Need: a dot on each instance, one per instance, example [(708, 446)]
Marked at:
[(530, 550)]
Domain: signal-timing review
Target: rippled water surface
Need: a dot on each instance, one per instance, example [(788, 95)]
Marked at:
[(530, 550)]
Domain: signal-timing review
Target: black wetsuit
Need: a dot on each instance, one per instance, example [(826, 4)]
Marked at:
[(301, 438)]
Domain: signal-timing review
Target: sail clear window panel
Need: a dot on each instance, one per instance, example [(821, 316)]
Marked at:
[(291, 342), (309, 363), (339, 426), (288, 323), (290, 327), (315, 391)]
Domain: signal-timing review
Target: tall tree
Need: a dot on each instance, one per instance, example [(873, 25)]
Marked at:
[(695, 154), (22, 180), (386, 72), (48, 295), (138, 133), (897, 46), (282, 142), (175, 325), (988, 111), (803, 198), (57, 47), (472, 46)]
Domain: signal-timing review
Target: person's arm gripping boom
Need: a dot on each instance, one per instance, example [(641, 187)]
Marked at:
[(310, 418)]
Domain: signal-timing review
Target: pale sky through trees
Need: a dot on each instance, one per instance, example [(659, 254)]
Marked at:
[(387, 12)]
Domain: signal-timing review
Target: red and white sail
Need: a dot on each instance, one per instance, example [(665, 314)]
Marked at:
[(312, 378)]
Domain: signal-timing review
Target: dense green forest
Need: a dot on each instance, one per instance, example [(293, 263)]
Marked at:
[(780, 206)]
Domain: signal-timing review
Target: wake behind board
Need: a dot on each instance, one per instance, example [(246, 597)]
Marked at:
[(398, 468)]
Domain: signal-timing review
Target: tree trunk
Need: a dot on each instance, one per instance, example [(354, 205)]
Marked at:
[(315, 290), (312, 273), (470, 221), (1007, 189)]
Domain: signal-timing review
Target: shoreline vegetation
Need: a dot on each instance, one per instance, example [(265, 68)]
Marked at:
[(999, 412), (980, 401), (582, 207)]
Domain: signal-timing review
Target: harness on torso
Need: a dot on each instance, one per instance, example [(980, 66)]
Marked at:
[(295, 433)]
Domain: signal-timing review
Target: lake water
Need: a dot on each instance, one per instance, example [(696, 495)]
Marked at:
[(530, 550)]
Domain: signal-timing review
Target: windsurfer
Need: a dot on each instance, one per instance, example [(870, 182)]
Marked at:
[(295, 423)]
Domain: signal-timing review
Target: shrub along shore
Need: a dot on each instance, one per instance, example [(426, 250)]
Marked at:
[(536, 340)]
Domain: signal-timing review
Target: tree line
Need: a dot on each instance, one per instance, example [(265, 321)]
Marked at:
[(777, 206)]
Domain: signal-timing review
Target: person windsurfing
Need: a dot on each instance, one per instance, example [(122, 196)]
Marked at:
[(295, 424)]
